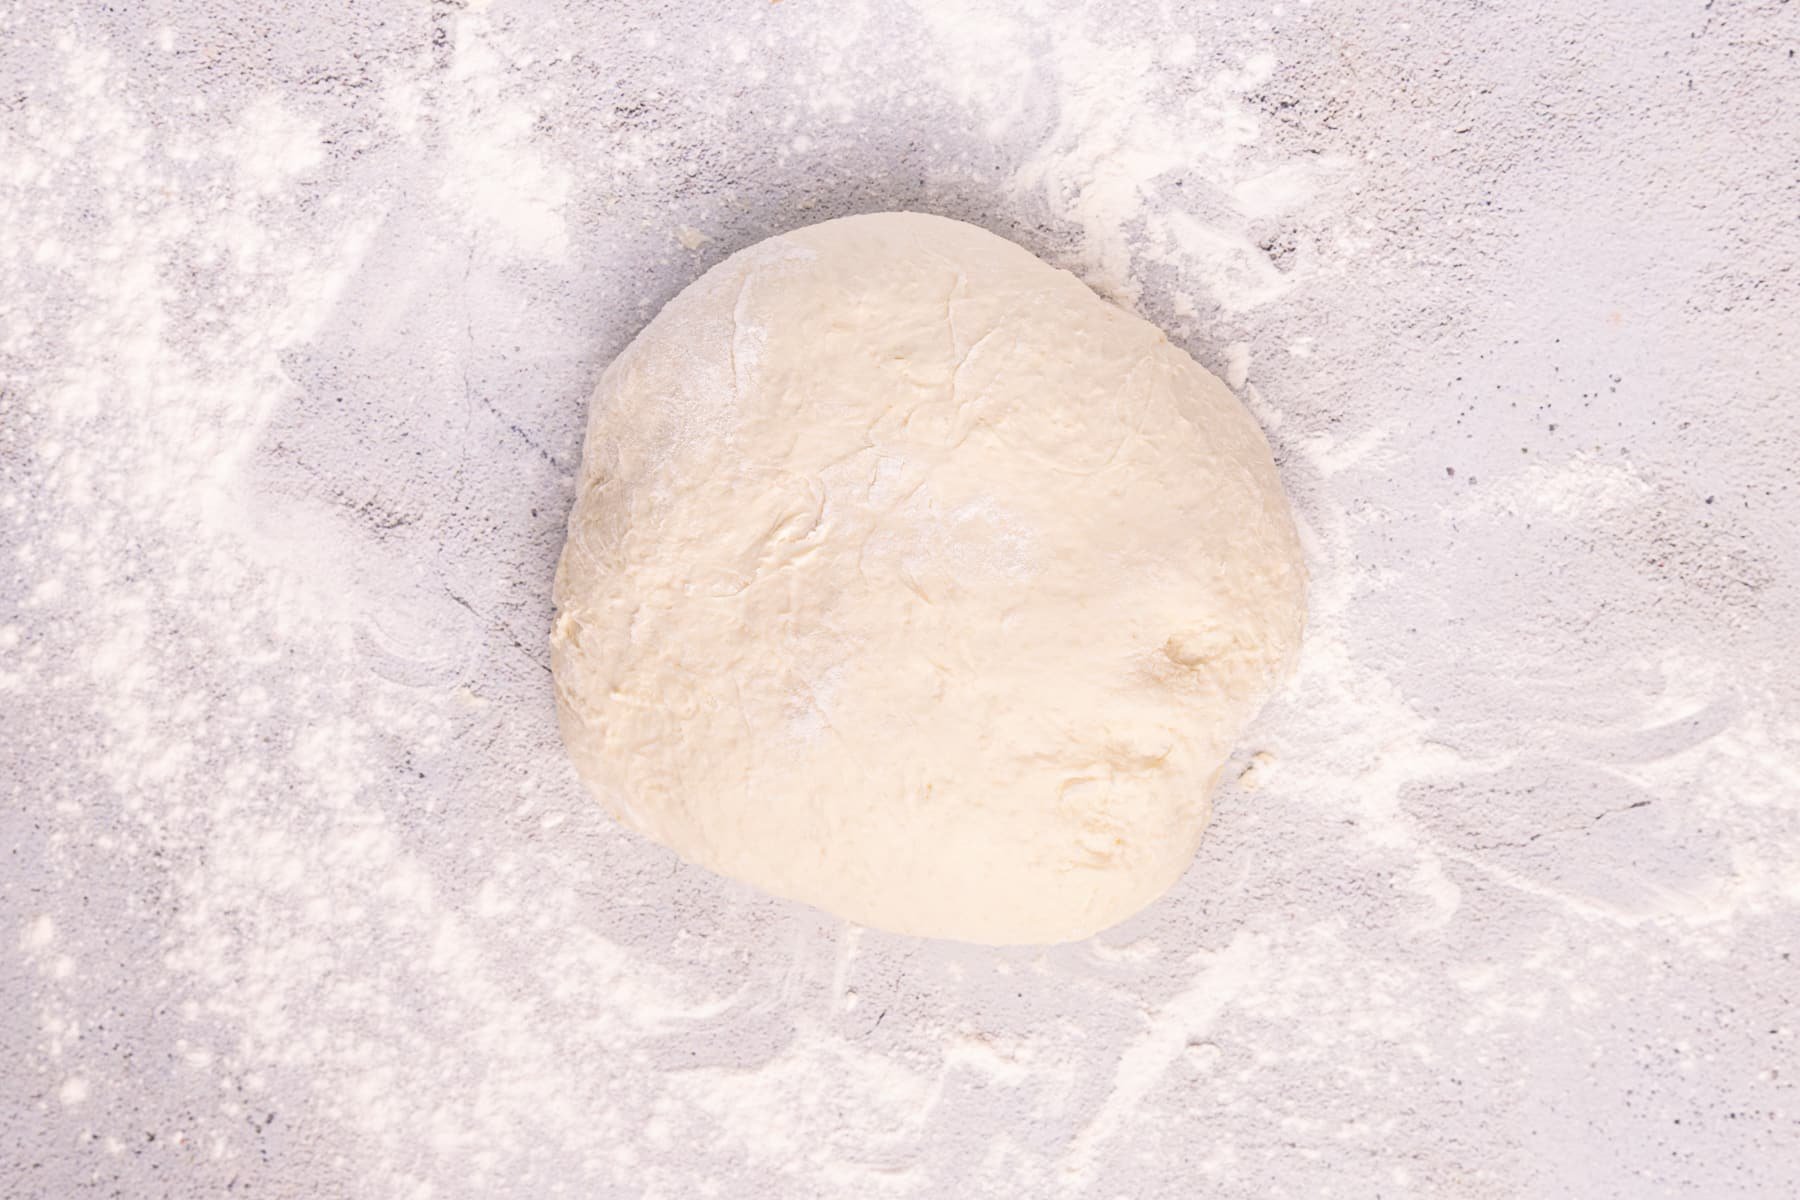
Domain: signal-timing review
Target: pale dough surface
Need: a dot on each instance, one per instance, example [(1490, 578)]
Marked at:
[(910, 579)]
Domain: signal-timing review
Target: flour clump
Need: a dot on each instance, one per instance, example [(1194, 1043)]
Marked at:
[(908, 578)]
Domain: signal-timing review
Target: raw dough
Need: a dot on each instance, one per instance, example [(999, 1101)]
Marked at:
[(910, 579)]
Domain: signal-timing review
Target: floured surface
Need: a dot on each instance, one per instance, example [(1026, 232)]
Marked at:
[(297, 319)]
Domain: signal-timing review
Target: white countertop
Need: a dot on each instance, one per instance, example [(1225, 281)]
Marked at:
[(300, 306)]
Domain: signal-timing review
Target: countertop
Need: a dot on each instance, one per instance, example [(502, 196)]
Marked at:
[(300, 307)]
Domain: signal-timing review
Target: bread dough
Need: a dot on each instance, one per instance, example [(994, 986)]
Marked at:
[(910, 579)]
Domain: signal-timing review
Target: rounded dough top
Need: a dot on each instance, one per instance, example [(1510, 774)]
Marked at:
[(910, 579)]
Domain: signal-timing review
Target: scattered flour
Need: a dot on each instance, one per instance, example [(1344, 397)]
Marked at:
[(295, 335)]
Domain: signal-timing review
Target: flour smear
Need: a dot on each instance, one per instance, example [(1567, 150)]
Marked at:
[(297, 325)]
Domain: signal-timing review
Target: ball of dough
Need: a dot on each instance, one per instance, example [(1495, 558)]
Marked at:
[(910, 579)]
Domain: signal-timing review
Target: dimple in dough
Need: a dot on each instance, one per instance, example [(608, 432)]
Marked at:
[(910, 579)]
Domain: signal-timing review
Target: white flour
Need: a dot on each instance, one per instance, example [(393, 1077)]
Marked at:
[(297, 323)]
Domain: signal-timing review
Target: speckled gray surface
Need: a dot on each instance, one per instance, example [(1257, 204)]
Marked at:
[(299, 310)]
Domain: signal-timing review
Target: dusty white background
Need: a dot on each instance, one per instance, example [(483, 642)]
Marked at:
[(299, 308)]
